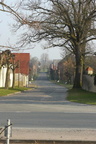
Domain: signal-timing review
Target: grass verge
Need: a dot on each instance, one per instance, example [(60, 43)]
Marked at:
[(81, 96), (69, 86), (4, 91)]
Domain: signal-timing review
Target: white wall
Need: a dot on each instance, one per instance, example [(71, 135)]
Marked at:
[(88, 83), (21, 79), (3, 77)]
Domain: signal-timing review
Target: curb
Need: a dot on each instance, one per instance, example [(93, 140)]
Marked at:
[(17, 92), (13, 93), (47, 142)]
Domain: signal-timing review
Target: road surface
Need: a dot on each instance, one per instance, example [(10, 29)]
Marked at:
[(46, 107)]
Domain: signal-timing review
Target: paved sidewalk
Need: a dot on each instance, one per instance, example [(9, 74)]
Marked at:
[(54, 134)]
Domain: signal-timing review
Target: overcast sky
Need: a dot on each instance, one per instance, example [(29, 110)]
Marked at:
[(7, 36)]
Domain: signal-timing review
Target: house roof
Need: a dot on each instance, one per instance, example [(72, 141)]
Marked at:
[(23, 62), (89, 69)]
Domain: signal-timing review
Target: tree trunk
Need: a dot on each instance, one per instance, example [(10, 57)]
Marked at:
[(7, 78), (13, 84), (78, 72)]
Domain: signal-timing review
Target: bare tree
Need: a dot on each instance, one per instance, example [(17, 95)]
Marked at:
[(69, 24), (34, 62), (44, 62), (7, 59), (13, 65)]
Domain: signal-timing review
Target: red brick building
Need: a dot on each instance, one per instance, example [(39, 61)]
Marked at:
[(22, 71), (23, 60)]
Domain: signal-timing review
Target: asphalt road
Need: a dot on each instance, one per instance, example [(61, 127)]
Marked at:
[(46, 107)]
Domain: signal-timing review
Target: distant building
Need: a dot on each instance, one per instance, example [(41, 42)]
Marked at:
[(89, 70), (54, 69)]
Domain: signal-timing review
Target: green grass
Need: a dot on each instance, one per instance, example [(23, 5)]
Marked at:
[(68, 86), (81, 96), (4, 91)]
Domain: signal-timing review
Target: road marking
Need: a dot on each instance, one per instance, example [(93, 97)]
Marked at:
[(22, 112)]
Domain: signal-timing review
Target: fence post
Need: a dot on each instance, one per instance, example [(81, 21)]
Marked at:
[(8, 131)]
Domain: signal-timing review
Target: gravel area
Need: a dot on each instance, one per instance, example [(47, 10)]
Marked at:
[(54, 134)]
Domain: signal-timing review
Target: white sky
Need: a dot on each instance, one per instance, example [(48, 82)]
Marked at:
[(7, 36)]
